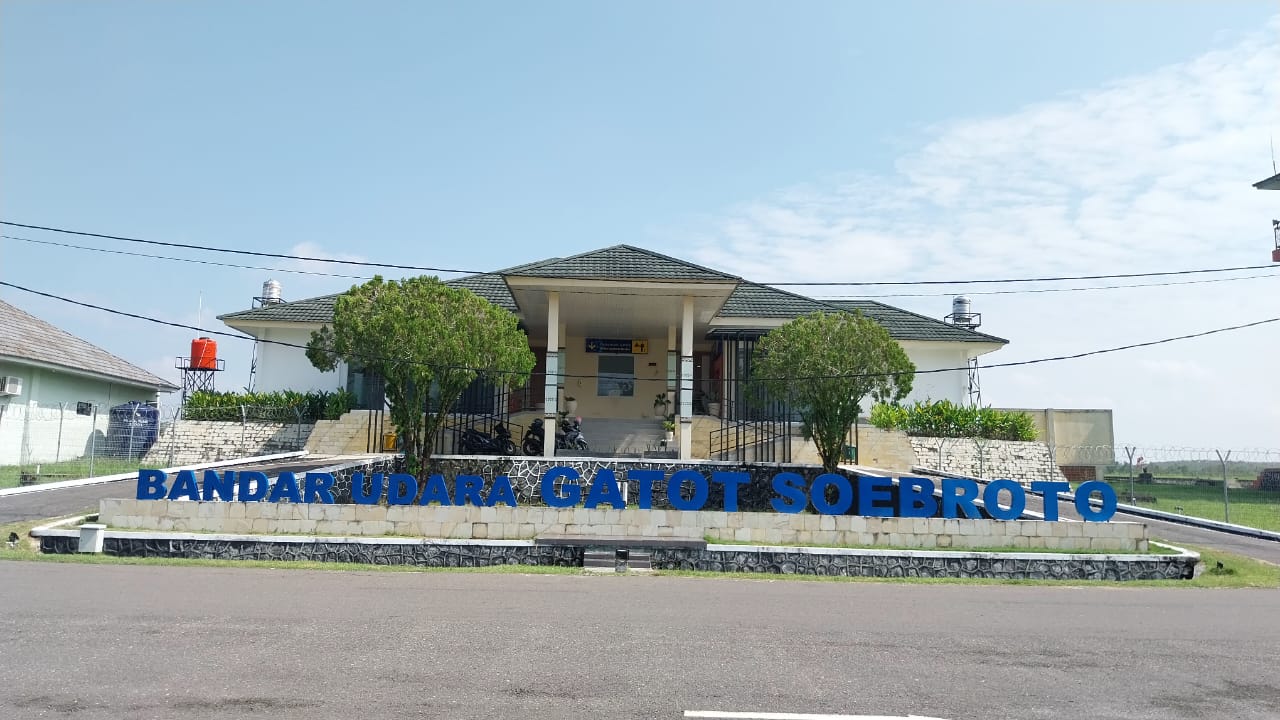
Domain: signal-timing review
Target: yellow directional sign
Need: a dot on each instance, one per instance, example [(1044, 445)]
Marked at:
[(639, 347)]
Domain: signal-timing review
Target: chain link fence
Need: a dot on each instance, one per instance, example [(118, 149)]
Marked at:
[(1235, 485), (68, 441)]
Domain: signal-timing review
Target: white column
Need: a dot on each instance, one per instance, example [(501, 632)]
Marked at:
[(563, 364), (672, 366), (551, 391), (686, 380)]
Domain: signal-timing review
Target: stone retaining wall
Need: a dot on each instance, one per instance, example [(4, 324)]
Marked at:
[(1024, 462), (526, 477), (187, 442), (526, 523), (716, 558)]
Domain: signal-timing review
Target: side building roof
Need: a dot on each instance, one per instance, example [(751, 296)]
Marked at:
[(489, 286), (750, 300), (26, 338)]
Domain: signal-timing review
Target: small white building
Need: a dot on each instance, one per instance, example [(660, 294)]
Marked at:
[(45, 374), (621, 325)]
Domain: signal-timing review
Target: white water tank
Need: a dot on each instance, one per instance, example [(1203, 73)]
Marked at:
[(962, 314), (271, 292)]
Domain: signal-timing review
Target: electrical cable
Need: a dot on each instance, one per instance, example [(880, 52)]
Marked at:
[(179, 259), (824, 298), (1019, 363), (880, 283), (207, 248)]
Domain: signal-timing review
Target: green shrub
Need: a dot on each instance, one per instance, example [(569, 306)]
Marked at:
[(947, 419), (281, 405)]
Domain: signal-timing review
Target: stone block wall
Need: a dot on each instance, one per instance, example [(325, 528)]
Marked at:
[(526, 477), (187, 442), (1024, 462), (526, 523)]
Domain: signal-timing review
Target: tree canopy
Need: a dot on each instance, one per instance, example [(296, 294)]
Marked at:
[(428, 341), (824, 365)]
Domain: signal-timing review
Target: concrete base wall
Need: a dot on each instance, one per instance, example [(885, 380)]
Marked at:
[(525, 523)]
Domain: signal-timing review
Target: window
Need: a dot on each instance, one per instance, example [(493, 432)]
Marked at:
[(616, 376)]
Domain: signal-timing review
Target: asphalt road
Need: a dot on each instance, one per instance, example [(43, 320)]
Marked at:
[(60, 502), (115, 641)]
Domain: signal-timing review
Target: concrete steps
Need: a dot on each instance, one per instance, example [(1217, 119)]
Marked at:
[(348, 434), (623, 436), (887, 449)]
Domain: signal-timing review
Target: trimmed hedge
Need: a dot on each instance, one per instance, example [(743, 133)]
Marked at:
[(946, 419), (282, 406)]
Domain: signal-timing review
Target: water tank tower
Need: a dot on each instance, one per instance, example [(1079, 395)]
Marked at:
[(962, 314), (199, 367)]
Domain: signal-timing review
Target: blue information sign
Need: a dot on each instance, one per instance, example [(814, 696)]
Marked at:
[(615, 345)]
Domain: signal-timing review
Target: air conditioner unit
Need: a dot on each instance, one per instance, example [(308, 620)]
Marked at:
[(10, 385)]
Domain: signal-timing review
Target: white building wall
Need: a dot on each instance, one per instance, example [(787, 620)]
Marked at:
[(281, 367), (41, 424), (952, 385)]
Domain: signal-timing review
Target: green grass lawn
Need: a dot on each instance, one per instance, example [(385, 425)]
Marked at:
[(65, 470), (1253, 508)]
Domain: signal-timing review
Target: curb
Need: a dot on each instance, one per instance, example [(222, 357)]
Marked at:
[(126, 476)]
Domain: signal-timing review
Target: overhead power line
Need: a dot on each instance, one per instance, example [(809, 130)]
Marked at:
[(255, 253), (1026, 291), (318, 273), (842, 283), (181, 259), (1019, 363)]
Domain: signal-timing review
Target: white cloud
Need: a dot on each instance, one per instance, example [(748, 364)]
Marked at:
[(1150, 172)]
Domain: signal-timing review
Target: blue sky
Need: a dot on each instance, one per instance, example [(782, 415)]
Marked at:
[(814, 141)]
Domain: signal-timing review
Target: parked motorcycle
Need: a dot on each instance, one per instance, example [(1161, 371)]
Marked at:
[(568, 437), (572, 434), (475, 442)]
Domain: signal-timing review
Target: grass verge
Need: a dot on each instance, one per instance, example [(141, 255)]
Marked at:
[(1251, 508), (10, 475)]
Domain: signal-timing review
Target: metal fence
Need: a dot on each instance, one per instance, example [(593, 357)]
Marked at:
[(67, 441), (1235, 485)]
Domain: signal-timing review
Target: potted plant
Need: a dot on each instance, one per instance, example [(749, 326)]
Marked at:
[(660, 405), (670, 427), (570, 405), (713, 403)]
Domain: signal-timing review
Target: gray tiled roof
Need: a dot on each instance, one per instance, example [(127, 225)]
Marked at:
[(620, 262), (311, 310), (905, 325), (761, 301), (26, 337), (489, 286), (624, 262)]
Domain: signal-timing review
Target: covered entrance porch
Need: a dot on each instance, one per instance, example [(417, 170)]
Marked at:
[(622, 349)]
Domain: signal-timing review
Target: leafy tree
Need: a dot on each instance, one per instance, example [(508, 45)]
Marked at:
[(824, 364), (428, 341)]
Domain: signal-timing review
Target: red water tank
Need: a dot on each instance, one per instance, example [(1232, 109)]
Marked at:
[(204, 354)]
